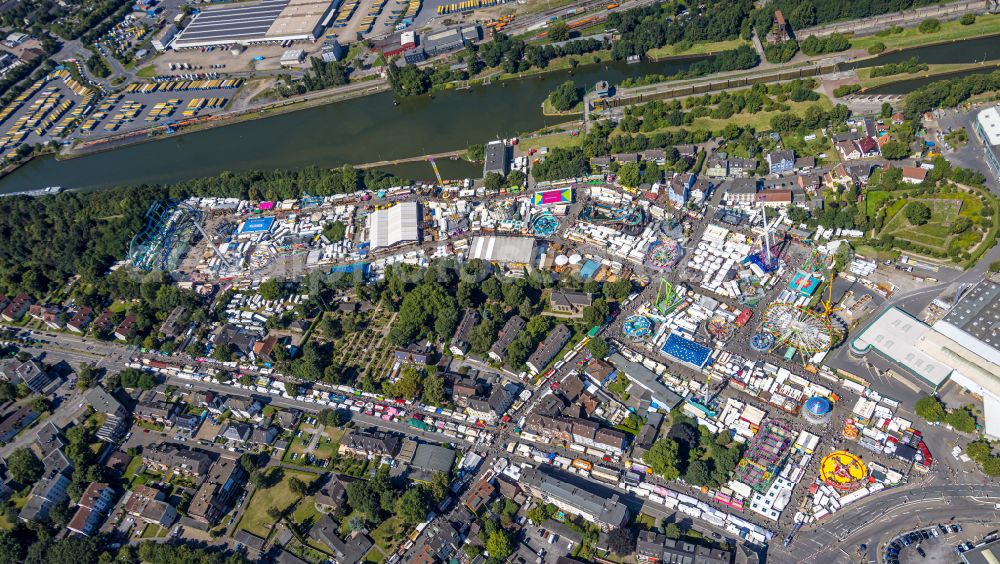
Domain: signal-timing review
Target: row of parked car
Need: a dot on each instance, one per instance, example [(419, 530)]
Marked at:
[(916, 538)]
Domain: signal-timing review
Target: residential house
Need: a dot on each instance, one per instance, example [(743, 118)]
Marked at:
[(652, 548), (263, 436), (237, 432), (331, 496), (869, 147), (215, 495), (370, 443), (700, 190), (741, 191), (742, 167), (568, 303), (15, 422), (177, 459), (78, 323), (848, 150), (626, 157), (611, 440), (491, 409), (600, 163), (126, 328), (253, 544), (805, 164), (49, 490), (104, 402), (93, 507), (914, 174), (897, 118), (173, 325), (206, 399), (860, 172), (584, 431), (658, 156), (688, 152), (464, 389), (244, 408), (157, 412), (17, 307), (548, 348), (774, 198), (780, 162), (187, 422), (29, 373), (149, 504), (508, 333), (838, 175), (104, 321), (679, 189), (264, 348), (412, 354), (345, 551), (51, 316), (460, 340), (809, 182), (47, 441), (717, 166), (479, 495), (606, 512)]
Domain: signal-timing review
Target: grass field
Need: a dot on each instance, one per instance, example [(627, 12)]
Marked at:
[(700, 48), (256, 520), (554, 141), (385, 535), (549, 110), (152, 531), (761, 121), (146, 72), (950, 31), (864, 75), (936, 233)]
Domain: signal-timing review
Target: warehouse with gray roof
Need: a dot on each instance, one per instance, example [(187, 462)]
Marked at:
[(267, 21)]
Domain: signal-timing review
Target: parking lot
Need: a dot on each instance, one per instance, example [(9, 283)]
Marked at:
[(46, 111), (133, 111)]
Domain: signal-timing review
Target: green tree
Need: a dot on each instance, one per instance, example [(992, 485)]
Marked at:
[(24, 466), (930, 408), (559, 31), (967, 19), (662, 457), (630, 175), (930, 25), (596, 312), (918, 213), (672, 531), (335, 231), (598, 348), (566, 96), (439, 486), (414, 505), (979, 450), (493, 181), (498, 546), (433, 390), (271, 289), (86, 377), (618, 290), (698, 473), (297, 486), (961, 420), (895, 150)]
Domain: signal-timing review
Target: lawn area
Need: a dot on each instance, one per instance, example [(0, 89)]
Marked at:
[(385, 535), (549, 110), (874, 198), (699, 48), (118, 307), (256, 520), (950, 31), (148, 71), (553, 141), (873, 253), (5, 524), (306, 512), (152, 531)]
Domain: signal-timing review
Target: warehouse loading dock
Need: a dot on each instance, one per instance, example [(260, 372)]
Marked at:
[(270, 21)]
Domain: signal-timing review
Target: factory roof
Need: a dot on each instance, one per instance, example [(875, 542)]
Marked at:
[(895, 333), (394, 225), (989, 123), (267, 20), (974, 321)]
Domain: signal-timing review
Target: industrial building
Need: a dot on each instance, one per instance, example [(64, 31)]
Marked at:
[(987, 128), (395, 225), (269, 21), (496, 158), (503, 250), (967, 340), (894, 334)]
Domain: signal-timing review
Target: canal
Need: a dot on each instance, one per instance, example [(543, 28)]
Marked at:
[(372, 128), (361, 130)]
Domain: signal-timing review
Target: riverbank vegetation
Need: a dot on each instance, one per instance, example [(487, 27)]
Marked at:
[(741, 58), (565, 97), (949, 93), (909, 66), (818, 46), (655, 26)]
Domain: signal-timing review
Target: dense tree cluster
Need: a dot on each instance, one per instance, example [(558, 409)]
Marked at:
[(909, 66), (562, 163), (781, 52), (805, 13), (949, 93), (694, 453), (833, 43), (322, 74), (659, 24), (566, 96)]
